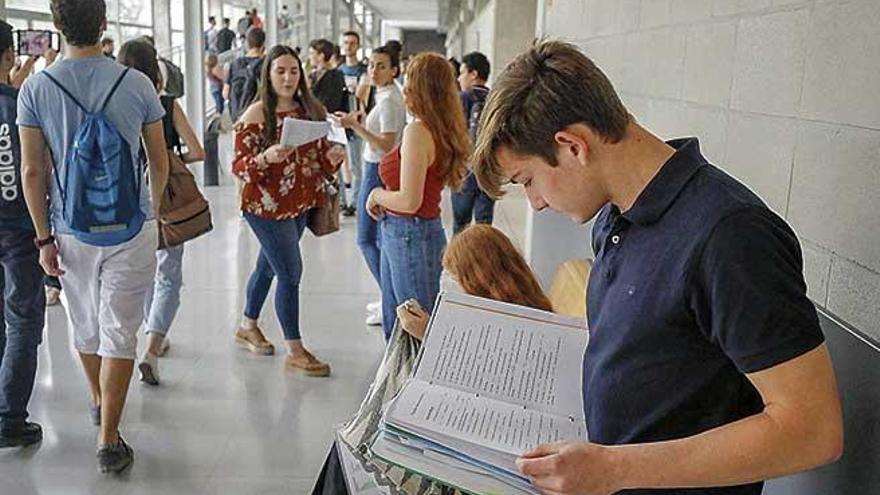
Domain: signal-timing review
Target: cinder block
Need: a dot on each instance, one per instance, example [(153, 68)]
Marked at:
[(655, 13), (612, 16), (691, 10), (853, 293), (817, 265), (760, 153), (730, 7), (707, 123), (842, 80), (664, 74), (569, 19), (834, 194), (707, 69), (769, 63)]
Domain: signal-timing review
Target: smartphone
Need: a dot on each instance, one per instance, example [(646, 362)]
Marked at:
[(36, 42)]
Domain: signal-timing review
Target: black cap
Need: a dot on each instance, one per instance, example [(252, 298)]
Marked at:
[(5, 36)]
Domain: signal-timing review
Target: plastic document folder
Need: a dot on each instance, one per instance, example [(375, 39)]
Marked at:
[(493, 381)]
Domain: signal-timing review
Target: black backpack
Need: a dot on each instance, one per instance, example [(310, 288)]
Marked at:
[(477, 97), (243, 84), (12, 204)]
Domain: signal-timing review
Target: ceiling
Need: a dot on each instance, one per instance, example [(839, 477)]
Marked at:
[(421, 14)]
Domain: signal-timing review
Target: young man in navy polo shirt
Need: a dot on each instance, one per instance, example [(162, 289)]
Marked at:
[(706, 371)]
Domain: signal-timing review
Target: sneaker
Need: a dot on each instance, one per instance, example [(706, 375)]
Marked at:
[(374, 306), (374, 319), (28, 434), (254, 341), (163, 349), (309, 365), (348, 211), (95, 413), (53, 296), (114, 458), (149, 369)]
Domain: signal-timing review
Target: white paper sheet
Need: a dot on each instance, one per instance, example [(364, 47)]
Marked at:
[(297, 132)]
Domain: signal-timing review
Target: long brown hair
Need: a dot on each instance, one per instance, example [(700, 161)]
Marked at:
[(314, 109), (432, 97), (486, 264)]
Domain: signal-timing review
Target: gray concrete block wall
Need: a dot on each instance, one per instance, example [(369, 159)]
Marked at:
[(784, 95)]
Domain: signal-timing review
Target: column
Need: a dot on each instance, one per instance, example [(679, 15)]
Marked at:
[(162, 24), (2, 9), (334, 21), (194, 70), (270, 22)]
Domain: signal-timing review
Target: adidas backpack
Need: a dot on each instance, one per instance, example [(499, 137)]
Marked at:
[(101, 187)]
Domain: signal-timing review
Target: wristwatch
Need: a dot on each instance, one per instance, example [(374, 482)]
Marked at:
[(41, 243)]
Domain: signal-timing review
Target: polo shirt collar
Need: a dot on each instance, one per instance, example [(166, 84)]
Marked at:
[(660, 193)]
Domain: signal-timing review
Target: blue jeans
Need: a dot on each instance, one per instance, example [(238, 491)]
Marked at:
[(163, 301), (367, 228), (471, 202), (219, 102), (279, 256), (412, 253), (23, 307), (356, 162)]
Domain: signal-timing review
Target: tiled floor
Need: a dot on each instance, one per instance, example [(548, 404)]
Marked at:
[(224, 421)]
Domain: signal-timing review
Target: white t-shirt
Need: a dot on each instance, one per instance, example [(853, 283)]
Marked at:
[(389, 115)]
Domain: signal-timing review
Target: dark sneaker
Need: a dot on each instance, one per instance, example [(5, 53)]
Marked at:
[(95, 413), (114, 458), (28, 434)]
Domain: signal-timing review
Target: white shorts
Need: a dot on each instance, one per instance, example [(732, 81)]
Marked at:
[(104, 290)]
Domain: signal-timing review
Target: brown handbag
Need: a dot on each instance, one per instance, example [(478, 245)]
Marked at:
[(184, 213), (324, 218)]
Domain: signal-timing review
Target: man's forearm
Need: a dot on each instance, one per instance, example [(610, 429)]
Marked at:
[(756, 448), (34, 186)]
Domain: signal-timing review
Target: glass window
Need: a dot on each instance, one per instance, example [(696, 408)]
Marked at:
[(177, 17), (136, 12), (131, 32), (35, 5)]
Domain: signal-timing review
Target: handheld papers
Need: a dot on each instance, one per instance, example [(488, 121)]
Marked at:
[(297, 132)]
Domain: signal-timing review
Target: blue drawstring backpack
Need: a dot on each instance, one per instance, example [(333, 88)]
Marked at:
[(101, 188)]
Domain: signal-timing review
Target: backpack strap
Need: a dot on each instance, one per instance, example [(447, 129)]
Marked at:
[(113, 90), (63, 89)]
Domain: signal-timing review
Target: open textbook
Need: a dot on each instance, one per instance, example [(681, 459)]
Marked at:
[(493, 381), (297, 132)]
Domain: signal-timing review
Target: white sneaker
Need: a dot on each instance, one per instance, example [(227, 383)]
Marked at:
[(374, 319), (149, 369), (375, 306)]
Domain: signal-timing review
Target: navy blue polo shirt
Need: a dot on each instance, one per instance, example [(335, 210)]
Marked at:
[(695, 286)]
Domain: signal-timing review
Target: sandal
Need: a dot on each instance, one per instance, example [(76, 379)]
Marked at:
[(309, 364), (254, 341)]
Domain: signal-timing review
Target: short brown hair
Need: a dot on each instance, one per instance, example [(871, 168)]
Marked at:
[(549, 87)]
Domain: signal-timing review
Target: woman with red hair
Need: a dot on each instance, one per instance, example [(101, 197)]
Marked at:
[(431, 156)]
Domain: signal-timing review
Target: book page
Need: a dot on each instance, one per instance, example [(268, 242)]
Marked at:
[(422, 407), (513, 354)]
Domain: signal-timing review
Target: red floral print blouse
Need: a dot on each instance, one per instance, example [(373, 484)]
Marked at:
[(279, 191)]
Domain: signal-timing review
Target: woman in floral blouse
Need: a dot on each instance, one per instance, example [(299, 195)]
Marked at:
[(281, 184)]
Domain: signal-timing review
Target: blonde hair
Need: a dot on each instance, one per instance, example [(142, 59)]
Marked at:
[(486, 264), (432, 96)]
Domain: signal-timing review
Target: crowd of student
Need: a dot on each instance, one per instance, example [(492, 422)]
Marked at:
[(695, 279)]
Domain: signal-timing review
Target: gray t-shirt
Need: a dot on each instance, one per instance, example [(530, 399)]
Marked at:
[(42, 105), (389, 115)]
